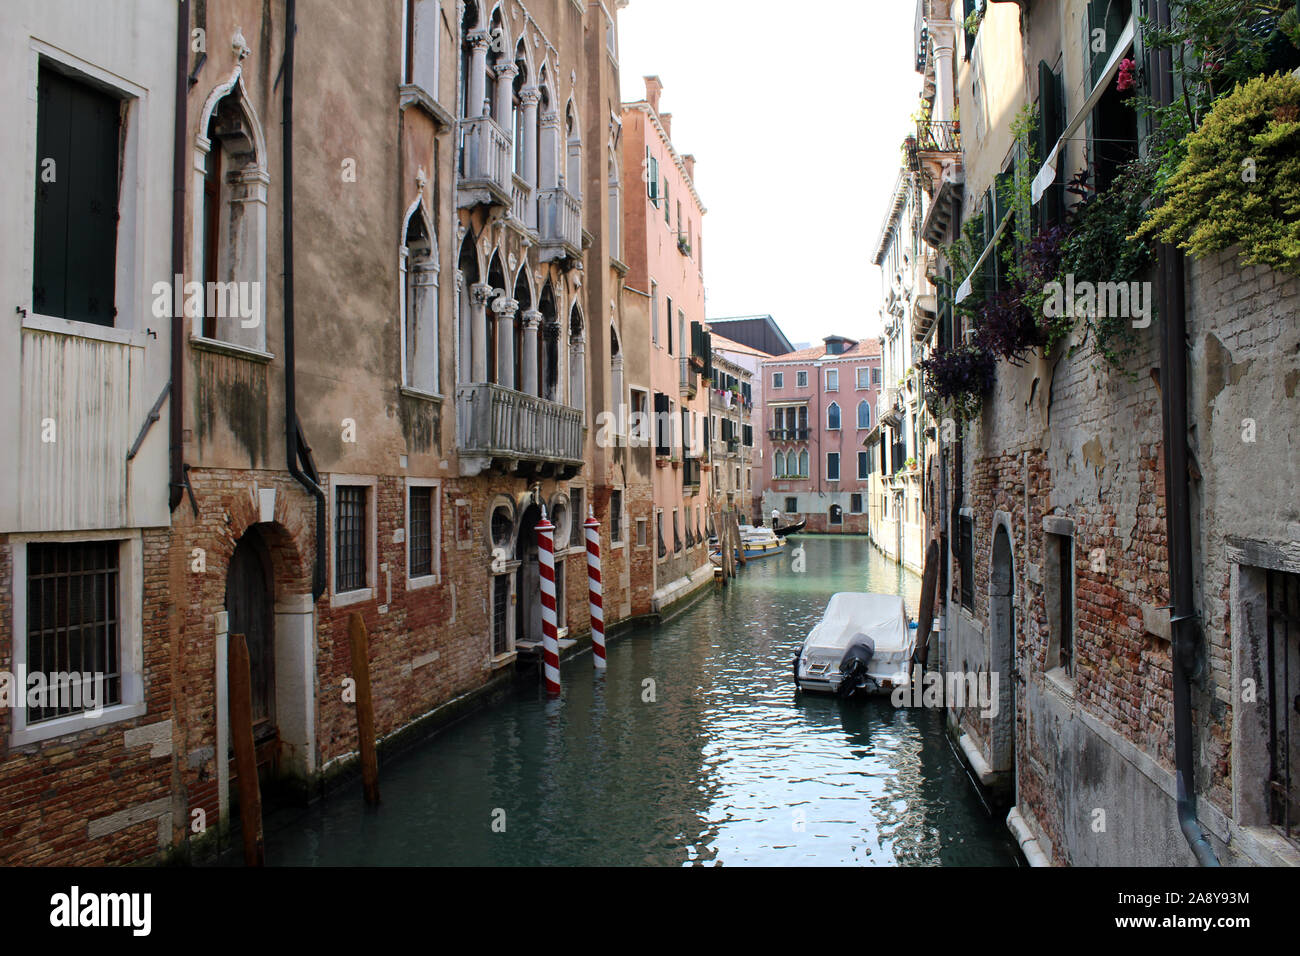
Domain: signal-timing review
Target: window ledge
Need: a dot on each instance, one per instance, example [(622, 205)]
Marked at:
[(85, 330), (411, 95), (1061, 682), (500, 660), (74, 724), (411, 392), (348, 598), (205, 344), (423, 581)]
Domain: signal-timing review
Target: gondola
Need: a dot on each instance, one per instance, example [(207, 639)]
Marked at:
[(782, 531)]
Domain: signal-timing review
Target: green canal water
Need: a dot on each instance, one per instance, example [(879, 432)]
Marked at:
[(727, 764)]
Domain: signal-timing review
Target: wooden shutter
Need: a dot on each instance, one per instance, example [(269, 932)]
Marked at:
[(78, 128), (1051, 123)]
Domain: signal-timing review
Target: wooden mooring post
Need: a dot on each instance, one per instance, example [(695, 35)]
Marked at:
[(240, 702), (365, 707)]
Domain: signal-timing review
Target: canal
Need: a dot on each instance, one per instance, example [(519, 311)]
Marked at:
[(693, 748)]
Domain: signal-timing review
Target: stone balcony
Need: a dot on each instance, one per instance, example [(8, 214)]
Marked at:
[(559, 215), (517, 432), (484, 175)]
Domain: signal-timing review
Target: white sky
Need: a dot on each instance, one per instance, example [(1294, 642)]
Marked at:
[(796, 114)]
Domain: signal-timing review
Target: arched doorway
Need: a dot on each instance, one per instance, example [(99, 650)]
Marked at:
[(1002, 625), (250, 609), (528, 582)]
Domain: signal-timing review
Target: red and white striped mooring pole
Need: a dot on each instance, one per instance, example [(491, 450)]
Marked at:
[(595, 593), (550, 641)]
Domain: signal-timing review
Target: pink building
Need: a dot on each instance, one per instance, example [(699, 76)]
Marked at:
[(818, 406)]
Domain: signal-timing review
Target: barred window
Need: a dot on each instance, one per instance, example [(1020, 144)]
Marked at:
[(1283, 660), (615, 517), (420, 533), (500, 606), (72, 624), (966, 560), (350, 539), (577, 533)]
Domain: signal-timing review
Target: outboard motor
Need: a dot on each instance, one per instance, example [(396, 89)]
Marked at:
[(854, 664)]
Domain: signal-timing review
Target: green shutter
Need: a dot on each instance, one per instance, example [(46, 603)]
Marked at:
[(75, 241)]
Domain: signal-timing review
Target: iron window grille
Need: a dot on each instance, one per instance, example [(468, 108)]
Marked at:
[(350, 539), (967, 562), (500, 606), (577, 531), (421, 532), (615, 517), (1283, 624), (72, 620)]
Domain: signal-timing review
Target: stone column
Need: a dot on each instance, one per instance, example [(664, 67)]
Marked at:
[(505, 309), (548, 162), (480, 294), (506, 74), (528, 361), (528, 99), (616, 394), (479, 43), (943, 40), (578, 375)]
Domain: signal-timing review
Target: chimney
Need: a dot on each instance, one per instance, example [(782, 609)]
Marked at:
[(689, 160), (666, 121), (652, 90)]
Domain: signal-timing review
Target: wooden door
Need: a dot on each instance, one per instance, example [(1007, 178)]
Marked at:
[(250, 605)]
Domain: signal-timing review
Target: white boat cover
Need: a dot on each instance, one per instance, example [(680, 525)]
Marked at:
[(852, 615)]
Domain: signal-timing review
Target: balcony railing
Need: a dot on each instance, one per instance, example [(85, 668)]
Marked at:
[(485, 174), (499, 422), (938, 136), (560, 224), (788, 434)]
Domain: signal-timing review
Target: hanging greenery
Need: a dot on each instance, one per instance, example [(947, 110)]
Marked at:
[(957, 379), (1239, 180)]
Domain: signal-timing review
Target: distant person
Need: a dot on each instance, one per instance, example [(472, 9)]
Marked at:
[(776, 516)]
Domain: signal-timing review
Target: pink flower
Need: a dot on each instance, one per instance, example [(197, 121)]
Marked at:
[(1125, 80)]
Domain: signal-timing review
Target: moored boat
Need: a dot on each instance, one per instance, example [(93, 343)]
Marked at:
[(862, 645)]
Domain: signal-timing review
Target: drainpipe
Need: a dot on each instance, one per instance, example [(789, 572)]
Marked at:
[(175, 406), (295, 448), (1184, 624)]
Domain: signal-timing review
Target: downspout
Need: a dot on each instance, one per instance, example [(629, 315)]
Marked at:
[(175, 408), (295, 448), (1184, 623)]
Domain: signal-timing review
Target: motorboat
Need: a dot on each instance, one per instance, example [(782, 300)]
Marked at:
[(758, 542), (863, 645)]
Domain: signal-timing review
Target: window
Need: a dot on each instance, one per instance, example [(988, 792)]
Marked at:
[(421, 53), (966, 561), (677, 533), (500, 615), (778, 380), (651, 177), (616, 517), (73, 625), (778, 465), (663, 425), (1058, 578), (864, 465), (747, 435), (875, 376), (667, 210), (641, 430), (836, 515), (659, 522), (1282, 650), (654, 312), (78, 140), (418, 269), (577, 530), (863, 377), (800, 379), (855, 504), (791, 506), (833, 416), (832, 380), (669, 320), (350, 538), (864, 414), (803, 463), (423, 529), (832, 466)]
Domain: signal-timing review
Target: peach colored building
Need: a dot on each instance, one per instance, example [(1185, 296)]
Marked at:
[(819, 404), (662, 249)]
